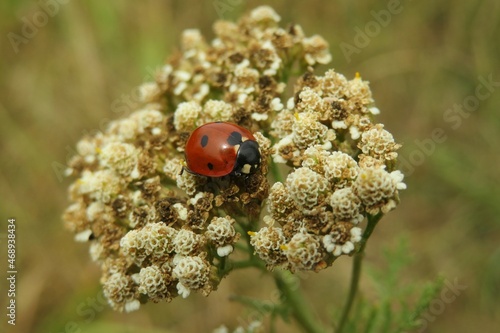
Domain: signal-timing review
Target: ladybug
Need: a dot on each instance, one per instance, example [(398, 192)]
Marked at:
[(220, 149)]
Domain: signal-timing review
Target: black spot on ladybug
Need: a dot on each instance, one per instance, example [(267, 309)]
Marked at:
[(210, 166), (204, 141), (234, 138)]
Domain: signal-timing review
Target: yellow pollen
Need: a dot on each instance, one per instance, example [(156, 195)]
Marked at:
[(296, 115), (98, 150), (358, 76), (284, 247), (251, 233)]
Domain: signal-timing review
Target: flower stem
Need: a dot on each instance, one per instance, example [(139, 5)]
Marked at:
[(248, 263), (356, 270), (276, 173), (287, 284)]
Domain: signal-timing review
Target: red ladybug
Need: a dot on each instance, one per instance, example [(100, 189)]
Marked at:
[(219, 149)]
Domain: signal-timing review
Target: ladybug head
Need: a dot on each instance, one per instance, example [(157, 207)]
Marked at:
[(248, 158)]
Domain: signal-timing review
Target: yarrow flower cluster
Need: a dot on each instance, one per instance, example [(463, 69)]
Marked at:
[(158, 232)]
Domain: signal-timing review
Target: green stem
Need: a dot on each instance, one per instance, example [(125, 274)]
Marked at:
[(248, 263), (301, 312), (356, 270), (275, 171)]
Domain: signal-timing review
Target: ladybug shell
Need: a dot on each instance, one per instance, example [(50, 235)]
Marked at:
[(212, 149)]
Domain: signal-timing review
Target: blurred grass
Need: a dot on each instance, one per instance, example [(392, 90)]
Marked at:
[(63, 81)]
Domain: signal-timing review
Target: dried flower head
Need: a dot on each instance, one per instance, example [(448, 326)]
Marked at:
[(346, 206), (304, 251), (379, 143), (159, 232), (154, 281), (268, 243), (307, 189), (222, 233), (377, 189), (192, 274)]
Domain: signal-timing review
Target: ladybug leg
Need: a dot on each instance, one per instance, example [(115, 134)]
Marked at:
[(217, 184), (211, 185), (185, 168), (224, 181)]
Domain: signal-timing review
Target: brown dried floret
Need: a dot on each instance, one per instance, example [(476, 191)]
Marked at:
[(150, 188), (166, 210), (118, 287), (109, 235), (281, 204), (146, 165), (75, 217), (121, 206), (142, 215)]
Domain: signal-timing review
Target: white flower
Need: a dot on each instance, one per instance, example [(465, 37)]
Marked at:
[(224, 251), (185, 116), (147, 119), (132, 305), (264, 13), (121, 157), (83, 236), (181, 211), (346, 206), (192, 273), (355, 133), (276, 104), (184, 292), (148, 91), (100, 185), (397, 176), (259, 116)]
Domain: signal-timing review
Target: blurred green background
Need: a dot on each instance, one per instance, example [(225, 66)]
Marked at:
[(59, 80)]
